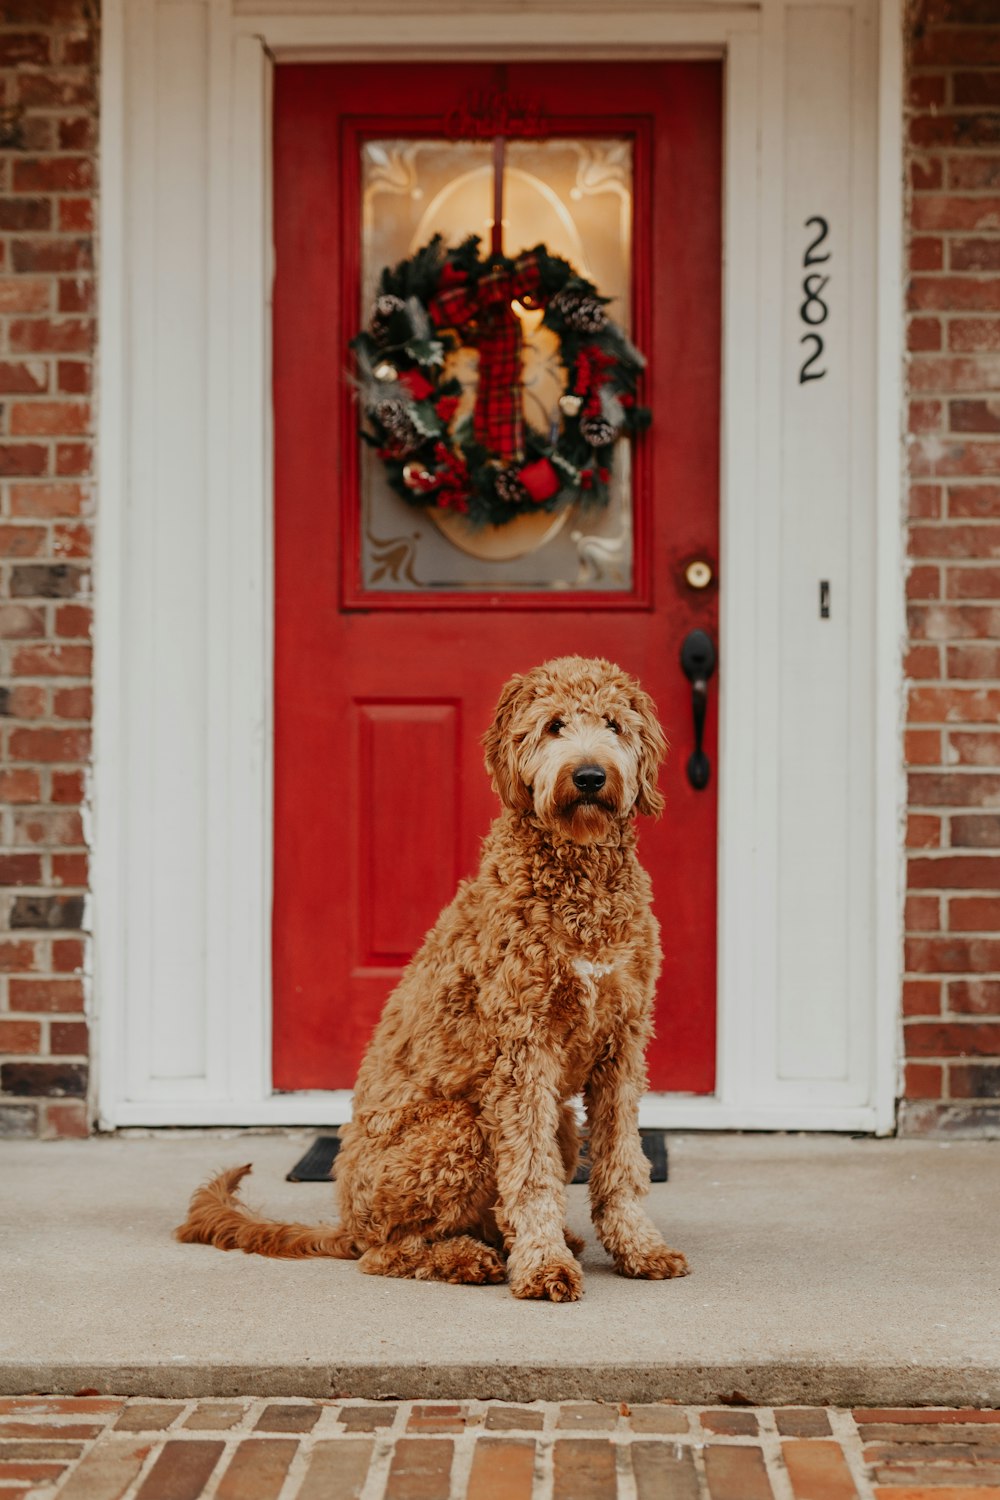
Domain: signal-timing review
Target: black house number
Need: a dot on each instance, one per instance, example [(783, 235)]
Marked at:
[(813, 310)]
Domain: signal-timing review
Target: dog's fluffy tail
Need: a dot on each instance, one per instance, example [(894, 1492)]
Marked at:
[(217, 1217)]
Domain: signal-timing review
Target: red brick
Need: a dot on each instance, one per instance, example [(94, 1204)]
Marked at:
[(74, 621), (337, 1469), (963, 871), (18, 295), (66, 1120), (51, 256), (257, 1469), (68, 1038), (802, 1422), (23, 458), (975, 1081), (954, 293), (53, 174), (974, 255), (736, 1473), (923, 747), (953, 621), (49, 744), (16, 954), (72, 703), (148, 1416), (923, 583), (76, 294), (21, 622), (74, 458), (46, 996), (925, 416), (923, 914), (974, 416), (20, 1037), (77, 135), (291, 1418), (926, 253), (20, 869), (922, 662), (927, 89), (951, 955), (50, 335), (107, 1471), (923, 334), (583, 1469), (923, 1081), (818, 1470), (72, 541), (51, 90), (974, 997), (21, 541), (955, 540), (950, 373), (980, 659), (19, 785), (502, 1469), (908, 1416), (937, 456), (421, 1470), (23, 377), (216, 1416), (928, 131), (70, 870), (974, 914), (48, 500), (26, 701), (52, 661), (54, 829), (975, 831), (923, 831), (951, 705), (49, 418), (921, 997), (975, 747), (730, 1423), (73, 376), (436, 1419), (972, 335), (67, 787), (20, 48), (954, 211), (925, 502), (975, 173), (974, 500), (926, 174), (952, 1039), (976, 88), (181, 1471)]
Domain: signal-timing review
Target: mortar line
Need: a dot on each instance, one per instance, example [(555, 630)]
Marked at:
[(845, 1430), (774, 1459)]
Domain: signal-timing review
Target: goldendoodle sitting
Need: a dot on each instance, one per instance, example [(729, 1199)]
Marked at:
[(534, 985)]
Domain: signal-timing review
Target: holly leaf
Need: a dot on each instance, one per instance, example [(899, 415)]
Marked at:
[(426, 351)]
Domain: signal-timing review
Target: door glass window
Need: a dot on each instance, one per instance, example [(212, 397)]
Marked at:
[(575, 197)]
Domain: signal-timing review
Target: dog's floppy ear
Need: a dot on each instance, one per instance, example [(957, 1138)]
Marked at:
[(652, 749), (501, 756)]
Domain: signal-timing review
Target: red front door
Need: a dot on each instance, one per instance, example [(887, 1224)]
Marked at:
[(391, 641)]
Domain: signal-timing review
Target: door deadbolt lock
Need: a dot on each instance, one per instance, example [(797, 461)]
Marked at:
[(698, 575)]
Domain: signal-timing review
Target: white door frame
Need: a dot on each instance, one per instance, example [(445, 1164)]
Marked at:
[(182, 781)]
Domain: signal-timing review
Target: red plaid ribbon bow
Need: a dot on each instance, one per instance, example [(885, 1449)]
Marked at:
[(482, 315)]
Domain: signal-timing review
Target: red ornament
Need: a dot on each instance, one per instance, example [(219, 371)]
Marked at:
[(540, 480), (416, 383), (446, 407)]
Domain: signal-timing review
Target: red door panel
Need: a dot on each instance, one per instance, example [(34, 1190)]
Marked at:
[(381, 798)]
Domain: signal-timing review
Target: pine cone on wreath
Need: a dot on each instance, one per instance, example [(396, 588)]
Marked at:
[(597, 431), (393, 416), (509, 488), (384, 310), (581, 312)]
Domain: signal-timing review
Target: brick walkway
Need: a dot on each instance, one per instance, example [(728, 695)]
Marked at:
[(107, 1448)]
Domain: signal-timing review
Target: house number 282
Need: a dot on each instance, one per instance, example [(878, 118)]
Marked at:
[(813, 310)]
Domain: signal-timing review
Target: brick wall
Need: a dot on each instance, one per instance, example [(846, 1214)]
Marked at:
[(48, 125), (951, 996)]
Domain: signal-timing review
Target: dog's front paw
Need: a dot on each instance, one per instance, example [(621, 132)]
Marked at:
[(658, 1264), (552, 1277)]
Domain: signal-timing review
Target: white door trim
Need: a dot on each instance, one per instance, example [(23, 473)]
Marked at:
[(183, 867)]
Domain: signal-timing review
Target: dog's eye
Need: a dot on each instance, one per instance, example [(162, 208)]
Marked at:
[(555, 726), (614, 726)]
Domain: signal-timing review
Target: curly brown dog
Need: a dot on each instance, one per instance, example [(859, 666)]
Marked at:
[(535, 984)]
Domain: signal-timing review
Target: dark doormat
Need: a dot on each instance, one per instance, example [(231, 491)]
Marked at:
[(317, 1163)]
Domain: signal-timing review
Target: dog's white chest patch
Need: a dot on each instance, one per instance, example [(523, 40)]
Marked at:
[(587, 969)]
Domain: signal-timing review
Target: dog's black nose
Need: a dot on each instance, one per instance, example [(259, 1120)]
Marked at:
[(589, 778)]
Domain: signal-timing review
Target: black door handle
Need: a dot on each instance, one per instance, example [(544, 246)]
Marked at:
[(698, 663)]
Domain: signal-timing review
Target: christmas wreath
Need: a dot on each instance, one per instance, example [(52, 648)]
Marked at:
[(490, 464)]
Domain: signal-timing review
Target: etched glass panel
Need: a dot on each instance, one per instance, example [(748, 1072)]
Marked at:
[(574, 196)]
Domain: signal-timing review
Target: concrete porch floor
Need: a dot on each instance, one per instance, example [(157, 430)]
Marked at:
[(825, 1271)]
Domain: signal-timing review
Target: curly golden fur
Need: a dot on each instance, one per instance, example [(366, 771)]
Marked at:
[(534, 985)]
